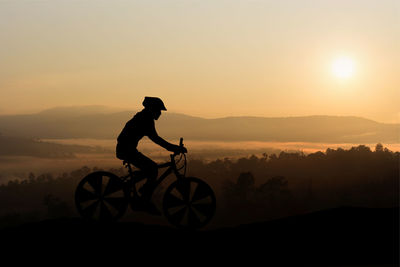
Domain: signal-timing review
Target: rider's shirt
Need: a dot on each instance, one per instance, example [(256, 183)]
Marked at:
[(142, 124)]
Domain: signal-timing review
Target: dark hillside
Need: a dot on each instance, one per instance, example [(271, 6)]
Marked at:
[(342, 236)]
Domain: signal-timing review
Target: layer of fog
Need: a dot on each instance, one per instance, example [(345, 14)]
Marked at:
[(198, 146), (14, 167)]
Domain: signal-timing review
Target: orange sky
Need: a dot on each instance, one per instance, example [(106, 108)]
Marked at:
[(204, 58)]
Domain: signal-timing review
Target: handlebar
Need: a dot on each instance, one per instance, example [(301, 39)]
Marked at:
[(182, 155), (181, 145), (181, 142)]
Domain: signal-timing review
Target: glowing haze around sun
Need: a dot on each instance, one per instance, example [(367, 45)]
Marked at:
[(343, 67)]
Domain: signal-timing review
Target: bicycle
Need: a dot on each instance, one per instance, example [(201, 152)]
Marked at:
[(188, 202)]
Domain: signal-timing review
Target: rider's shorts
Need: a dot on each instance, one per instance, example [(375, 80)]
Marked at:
[(139, 160)]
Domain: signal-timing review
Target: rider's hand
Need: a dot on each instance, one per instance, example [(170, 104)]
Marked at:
[(183, 149), (179, 149)]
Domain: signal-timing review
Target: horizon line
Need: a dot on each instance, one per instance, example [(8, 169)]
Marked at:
[(119, 110)]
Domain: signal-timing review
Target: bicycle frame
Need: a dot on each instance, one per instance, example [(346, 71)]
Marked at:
[(136, 175)]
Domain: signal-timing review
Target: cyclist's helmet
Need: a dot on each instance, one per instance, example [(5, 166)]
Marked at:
[(153, 103)]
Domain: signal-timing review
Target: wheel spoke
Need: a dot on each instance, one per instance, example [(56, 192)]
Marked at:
[(184, 188), (88, 187), (206, 200), (111, 209), (90, 210), (90, 197), (189, 203), (174, 210), (193, 189), (206, 209), (104, 183), (173, 201), (193, 219), (105, 214), (88, 203), (113, 186), (202, 191), (117, 194), (185, 220), (96, 182), (86, 195), (177, 218), (199, 215), (118, 203)]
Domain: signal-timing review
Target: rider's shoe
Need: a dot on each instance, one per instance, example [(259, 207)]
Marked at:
[(144, 203)]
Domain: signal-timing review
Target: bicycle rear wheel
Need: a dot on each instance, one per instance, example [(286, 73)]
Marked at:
[(100, 196), (189, 203)]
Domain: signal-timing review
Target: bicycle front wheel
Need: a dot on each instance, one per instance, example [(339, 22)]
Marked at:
[(100, 196), (189, 203)]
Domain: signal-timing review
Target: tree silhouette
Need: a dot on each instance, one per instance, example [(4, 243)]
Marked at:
[(55, 207), (252, 188)]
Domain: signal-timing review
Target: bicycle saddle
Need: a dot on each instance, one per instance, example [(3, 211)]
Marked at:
[(126, 162)]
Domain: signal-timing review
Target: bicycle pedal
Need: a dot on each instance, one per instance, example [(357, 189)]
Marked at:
[(146, 190)]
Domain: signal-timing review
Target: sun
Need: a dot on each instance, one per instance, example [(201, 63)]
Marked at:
[(343, 67)]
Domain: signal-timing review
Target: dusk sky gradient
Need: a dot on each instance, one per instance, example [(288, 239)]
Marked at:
[(203, 58)]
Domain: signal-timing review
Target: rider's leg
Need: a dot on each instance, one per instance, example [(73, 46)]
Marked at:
[(147, 166), (150, 170)]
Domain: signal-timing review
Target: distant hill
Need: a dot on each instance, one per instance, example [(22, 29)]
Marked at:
[(20, 146), (99, 122), (74, 111)]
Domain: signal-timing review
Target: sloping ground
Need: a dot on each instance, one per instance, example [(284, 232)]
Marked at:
[(342, 236)]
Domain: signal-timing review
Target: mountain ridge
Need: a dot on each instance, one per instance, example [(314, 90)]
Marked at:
[(96, 109), (93, 122)]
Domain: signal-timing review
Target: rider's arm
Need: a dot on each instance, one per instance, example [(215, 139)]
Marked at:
[(152, 134), (160, 141)]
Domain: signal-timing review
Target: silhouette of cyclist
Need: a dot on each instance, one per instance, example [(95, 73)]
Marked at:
[(142, 124)]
